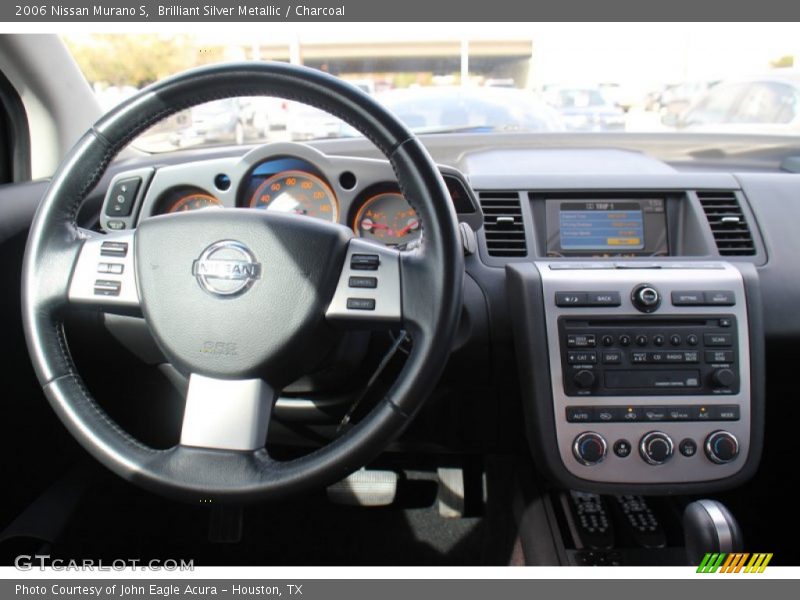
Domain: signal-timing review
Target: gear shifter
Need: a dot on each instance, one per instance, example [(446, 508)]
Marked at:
[(708, 526)]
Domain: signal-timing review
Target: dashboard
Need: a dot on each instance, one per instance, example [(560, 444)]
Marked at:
[(291, 178), (630, 291)]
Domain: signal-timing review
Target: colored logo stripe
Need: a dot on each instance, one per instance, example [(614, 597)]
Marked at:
[(734, 562)]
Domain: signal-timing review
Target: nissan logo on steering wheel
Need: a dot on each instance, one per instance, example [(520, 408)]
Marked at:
[(226, 269)]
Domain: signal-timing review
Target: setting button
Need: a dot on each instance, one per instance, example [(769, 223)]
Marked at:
[(365, 262), (122, 197), (688, 298), (362, 282), (361, 303)]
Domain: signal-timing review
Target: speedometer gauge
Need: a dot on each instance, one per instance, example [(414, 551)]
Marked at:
[(389, 219), (297, 192)]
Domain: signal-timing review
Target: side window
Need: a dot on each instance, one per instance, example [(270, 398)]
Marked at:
[(716, 106), (14, 137), (767, 102)]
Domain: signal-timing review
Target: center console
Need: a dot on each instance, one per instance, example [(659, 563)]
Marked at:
[(639, 374)]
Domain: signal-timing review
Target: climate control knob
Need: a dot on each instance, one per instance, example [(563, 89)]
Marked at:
[(645, 297), (656, 447), (721, 447), (589, 448), (584, 379)]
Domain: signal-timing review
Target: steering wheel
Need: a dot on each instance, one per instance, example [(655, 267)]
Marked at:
[(241, 301)]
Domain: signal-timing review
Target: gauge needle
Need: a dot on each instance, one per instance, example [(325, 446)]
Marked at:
[(374, 225), (407, 228)]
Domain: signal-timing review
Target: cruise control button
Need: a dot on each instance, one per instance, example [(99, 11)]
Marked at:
[(720, 298), (365, 262), (362, 282), (571, 299), (122, 197), (106, 287), (112, 268), (688, 298), (717, 339), (361, 303)]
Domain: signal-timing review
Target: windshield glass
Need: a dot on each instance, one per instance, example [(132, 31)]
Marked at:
[(688, 78)]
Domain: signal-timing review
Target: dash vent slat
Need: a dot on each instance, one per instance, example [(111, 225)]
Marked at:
[(503, 225), (728, 223)]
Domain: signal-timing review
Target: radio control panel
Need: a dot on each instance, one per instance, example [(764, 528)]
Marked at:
[(649, 369)]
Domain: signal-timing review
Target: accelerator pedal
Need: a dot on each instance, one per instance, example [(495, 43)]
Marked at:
[(451, 493), (365, 488)]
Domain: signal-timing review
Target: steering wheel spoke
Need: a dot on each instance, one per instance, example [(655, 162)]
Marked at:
[(369, 292), (225, 414), (104, 275)]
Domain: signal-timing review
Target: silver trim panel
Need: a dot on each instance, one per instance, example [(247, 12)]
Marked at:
[(678, 277)]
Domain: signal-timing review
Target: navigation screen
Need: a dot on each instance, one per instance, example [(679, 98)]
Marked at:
[(605, 227), (612, 226)]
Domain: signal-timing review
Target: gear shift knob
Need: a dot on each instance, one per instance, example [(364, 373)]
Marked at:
[(708, 526)]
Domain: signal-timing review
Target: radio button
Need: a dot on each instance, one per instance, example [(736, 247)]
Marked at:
[(691, 356), (612, 358), (675, 340), (645, 298), (641, 340), (584, 379), (725, 322), (581, 340), (723, 378), (717, 339), (720, 298), (658, 340), (719, 356), (603, 299), (607, 340), (624, 340), (692, 340), (638, 357), (577, 357), (570, 299), (674, 357)]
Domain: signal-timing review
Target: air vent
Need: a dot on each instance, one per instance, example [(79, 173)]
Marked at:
[(502, 223), (728, 223)]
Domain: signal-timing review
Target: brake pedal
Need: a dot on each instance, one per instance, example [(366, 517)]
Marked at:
[(365, 488)]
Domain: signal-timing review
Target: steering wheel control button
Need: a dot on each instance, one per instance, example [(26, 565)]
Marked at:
[(363, 282), (361, 303), (687, 447), (656, 447), (622, 448), (603, 299), (589, 448), (720, 298), (111, 268), (365, 262), (645, 298), (721, 447), (226, 268), (571, 299), (122, 197), (115, 249), (107, 287)]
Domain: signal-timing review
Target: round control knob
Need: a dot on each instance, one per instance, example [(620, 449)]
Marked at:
[(721, 447), (656, 447), (645, 297), (584, 379), (589, 448), (724, 378)]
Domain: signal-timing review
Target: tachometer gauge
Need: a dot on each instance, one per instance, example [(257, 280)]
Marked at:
[(297, 192), (192, 201), (389, 219)]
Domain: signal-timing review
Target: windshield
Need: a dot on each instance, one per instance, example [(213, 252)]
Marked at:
[(692, 78)]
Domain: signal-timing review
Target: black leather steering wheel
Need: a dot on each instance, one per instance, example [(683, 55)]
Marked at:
[(242, 301)]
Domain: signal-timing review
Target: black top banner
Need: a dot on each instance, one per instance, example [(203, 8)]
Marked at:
[(392, 10)]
